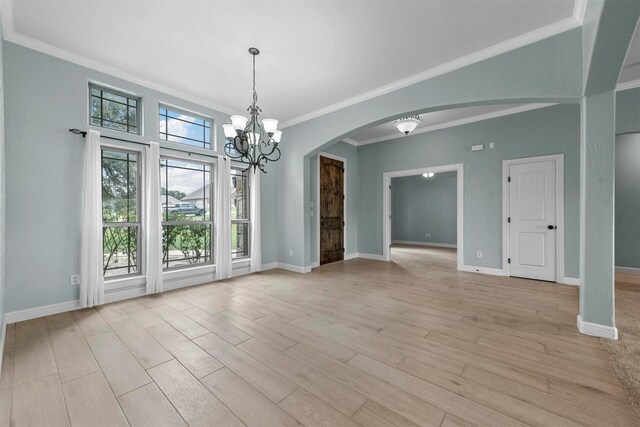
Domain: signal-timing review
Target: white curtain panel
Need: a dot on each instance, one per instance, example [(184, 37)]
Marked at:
[(256, 228), (91, 260), (154, 219), (223, 218)]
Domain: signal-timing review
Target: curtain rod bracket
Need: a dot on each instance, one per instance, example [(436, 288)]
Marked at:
[(78, 132)]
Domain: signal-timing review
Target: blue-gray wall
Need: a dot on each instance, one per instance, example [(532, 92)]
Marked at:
[(628, 111), (2, 199), (421, 206), (628, 200), (550, 130), (45, 96), (348, 152)]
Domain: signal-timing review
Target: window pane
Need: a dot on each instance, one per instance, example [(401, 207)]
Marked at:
[(239, 240), (185, 190), (113, 110), (119, 186), (184, 129), (120, 250), (185, 245), (239, 194)]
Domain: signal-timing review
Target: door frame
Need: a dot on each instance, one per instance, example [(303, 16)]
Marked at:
[(386, 206), (344, 205), (559, 159)]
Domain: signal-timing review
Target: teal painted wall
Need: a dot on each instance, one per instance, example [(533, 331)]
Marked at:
[(627, 196), (45, 96), (349, 152), (628, 111), (550, 130), (421, 206)]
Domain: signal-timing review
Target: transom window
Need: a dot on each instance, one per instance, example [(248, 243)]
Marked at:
[(187, 225), (120, 212), (177, 126), (114, 110), (240, 221)]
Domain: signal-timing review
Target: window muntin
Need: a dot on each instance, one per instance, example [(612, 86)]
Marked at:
[(187, 225), (240, 221), (112, 110), (120, 212), (177, 126)]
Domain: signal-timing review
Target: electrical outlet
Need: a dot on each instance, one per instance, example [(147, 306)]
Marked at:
[(427, 234), (75, 279), (491, 146), (290, 252), (479, 254)]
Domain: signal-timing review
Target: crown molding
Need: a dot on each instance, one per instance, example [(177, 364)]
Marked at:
[(579, 8), (459, 122), (6, 14), (628, 85), (556, 28), (351, 141)]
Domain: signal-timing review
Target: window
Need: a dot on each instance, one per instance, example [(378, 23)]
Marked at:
[(239, 213), (187, 225), (184, 128), (120, 212), (113, 110)]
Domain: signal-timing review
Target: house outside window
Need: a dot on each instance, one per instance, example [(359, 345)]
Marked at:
[(187, 212), (120, 212), (114, 110)]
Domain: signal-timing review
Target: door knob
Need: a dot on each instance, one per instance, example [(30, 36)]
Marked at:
[(552, 227)]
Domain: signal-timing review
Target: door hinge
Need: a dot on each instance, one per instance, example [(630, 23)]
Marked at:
[(342, 250), (389, 187), (509, 219), (343, 197), (508, 260), (343, 223), (508, 179)]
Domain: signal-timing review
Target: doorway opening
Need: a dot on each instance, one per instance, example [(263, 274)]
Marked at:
[(332, 196), (423, 209)]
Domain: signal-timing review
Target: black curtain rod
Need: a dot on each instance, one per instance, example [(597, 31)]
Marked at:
[(84, 134)]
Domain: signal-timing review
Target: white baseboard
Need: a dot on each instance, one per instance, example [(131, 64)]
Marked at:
[(269, 266), (315, 264), (597, 330), (3, 334), (45, 310), (435, 245), (570, 281), (350, 256), (369, 256), (294, 268), (483, 270), (628, 270)]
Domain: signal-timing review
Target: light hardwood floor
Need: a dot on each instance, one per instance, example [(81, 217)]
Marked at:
[(369, 343)]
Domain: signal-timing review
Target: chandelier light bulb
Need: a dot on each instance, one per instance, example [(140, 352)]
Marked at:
[(277, 135), (239, 122), (407, 125), (229, 131), (428, 174), (270, 126)]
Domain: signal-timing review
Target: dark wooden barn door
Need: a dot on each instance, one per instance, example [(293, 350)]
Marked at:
[(331, 210)]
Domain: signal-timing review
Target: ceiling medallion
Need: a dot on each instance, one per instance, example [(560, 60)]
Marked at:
[(407, 124), (248, 141)]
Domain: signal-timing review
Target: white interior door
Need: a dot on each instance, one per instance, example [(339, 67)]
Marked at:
[(532, 220)]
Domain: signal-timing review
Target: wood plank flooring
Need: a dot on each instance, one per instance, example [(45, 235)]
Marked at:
[(355, 343)]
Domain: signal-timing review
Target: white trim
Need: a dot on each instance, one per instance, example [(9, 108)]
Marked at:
[(459, 122), (344, 204), (315, 264), (628, 270), (270, 266), (596, 329), (44, 310), (3, 334), (436, 245), (559, 160), (351, 141), (350, 256), (572, 281), (579, 8), (536, 35), (386, 206), (294, 268), (483, 270), (375, 257), (628, 85)]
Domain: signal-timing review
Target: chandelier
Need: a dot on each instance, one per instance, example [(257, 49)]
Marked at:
[(248, 141), (407, 124)]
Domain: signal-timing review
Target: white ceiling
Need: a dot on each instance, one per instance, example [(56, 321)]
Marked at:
[(314, 53)]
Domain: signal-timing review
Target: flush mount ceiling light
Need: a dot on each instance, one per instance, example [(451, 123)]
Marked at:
[(407, 124), (428, 174), (248, 141)]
